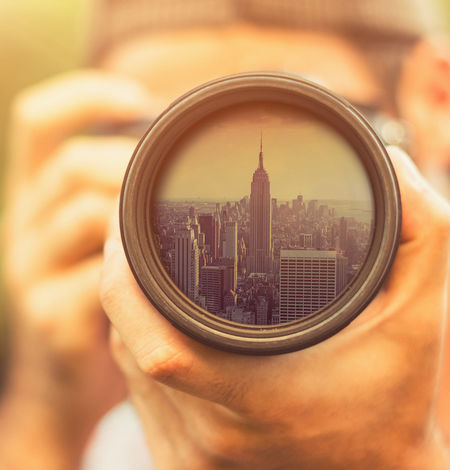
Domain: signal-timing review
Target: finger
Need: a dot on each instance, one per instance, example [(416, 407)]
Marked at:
[(84, 163), (410, 293), (45, 115), (62, 314), (73, 232), (160, 418), (424, 240), (160, 350), (60, 305), (423, 209)]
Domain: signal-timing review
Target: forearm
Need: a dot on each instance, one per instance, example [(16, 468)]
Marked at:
[(35, 428), (32, 438)]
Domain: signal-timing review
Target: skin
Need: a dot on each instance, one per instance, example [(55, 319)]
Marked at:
[(171, 63), (374, 407), (424, 102), (362, 399), (61, 194)]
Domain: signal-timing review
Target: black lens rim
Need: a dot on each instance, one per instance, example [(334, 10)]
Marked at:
[(140, 184)]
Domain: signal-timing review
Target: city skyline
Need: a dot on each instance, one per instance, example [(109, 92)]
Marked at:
[(257, 261), (302, 155)]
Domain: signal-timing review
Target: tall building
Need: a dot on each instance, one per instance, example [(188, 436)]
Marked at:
[(312, 208), (308, 281), (341, 273), (186, 262), (209, 225), (323, 210), (262, 309), (274, 207), (213, 286), (229, 244), (297, 203), (306, 240), (260, 236), (343, 234), (230, 247)]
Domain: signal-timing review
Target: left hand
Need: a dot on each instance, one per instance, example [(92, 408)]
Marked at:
[(62, 190)]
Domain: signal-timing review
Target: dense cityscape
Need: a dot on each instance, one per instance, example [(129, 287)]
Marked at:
[(258, 260)]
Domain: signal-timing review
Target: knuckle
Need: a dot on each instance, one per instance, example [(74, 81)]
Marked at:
[(165, 363), (226, 447)]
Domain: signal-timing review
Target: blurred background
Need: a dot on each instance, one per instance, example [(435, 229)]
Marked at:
[(40, 38)]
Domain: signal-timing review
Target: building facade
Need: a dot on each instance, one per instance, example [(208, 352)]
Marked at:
[(209, 225), (186, 262), (308, 280), (260, 236), (213, 286)]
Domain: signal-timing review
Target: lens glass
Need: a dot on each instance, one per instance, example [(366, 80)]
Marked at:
[(263, 213)]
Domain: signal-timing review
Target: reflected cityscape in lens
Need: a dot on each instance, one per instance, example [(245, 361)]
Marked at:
[(263, 258)]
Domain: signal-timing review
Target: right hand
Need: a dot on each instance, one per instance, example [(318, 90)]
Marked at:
[(60, 193), (362, 399)]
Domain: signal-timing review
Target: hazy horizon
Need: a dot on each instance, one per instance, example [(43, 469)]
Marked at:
[(282, 201), (302, 155)]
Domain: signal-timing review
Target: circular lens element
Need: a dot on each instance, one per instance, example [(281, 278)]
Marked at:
[(260, 213)]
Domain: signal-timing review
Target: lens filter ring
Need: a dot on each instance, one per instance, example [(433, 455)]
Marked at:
[(140, 193)]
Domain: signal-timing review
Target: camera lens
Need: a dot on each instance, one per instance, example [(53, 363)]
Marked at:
[(260, 213)]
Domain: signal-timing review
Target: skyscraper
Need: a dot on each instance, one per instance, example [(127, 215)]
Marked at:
[(230, 246), (260, 237), (213, 286), (186, 269), (343, 234), (308, 281), (210, 227), (262, 308), (312, 208), (341, 273), (306, 240), (274, 207)]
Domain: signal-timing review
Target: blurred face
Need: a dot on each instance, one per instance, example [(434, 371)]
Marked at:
[(171, 63), (423, 99)]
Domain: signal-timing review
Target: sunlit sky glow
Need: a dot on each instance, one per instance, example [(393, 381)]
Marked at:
[(302, 155)]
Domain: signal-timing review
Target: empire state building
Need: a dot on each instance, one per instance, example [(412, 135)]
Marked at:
[(260, 241)]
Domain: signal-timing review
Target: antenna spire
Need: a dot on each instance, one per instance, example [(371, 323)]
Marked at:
[(261, 153)]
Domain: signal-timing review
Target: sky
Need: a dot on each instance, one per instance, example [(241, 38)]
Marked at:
[(302, 155)]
